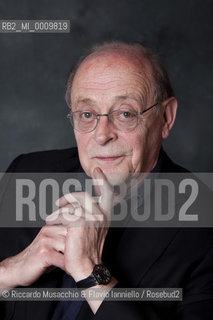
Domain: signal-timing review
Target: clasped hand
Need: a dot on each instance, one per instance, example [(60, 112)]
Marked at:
[(72, 239)]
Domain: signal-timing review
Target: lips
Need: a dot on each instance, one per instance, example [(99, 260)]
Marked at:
[(108, 158)]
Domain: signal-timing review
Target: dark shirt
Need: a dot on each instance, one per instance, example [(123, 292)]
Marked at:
[(68, 310)]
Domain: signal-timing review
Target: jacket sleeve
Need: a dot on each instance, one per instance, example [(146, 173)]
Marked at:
[(196, 303)]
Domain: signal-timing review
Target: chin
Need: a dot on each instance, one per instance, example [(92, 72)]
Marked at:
[(116, 178)]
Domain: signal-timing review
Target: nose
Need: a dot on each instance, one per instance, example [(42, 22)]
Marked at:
[(104, 132)]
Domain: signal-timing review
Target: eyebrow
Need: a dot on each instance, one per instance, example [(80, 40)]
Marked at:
[(116, 99), (138, 100), (85, 100)]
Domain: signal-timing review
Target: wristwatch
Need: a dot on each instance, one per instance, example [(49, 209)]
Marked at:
[(99, 275)]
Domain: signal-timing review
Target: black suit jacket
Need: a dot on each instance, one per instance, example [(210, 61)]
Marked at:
[(137, 257)]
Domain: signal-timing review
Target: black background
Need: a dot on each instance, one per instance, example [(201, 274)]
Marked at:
[(34, 68)]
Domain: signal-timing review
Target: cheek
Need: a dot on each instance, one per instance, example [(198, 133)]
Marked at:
[(137, 144), (137, 158), (82, 140), (82, 143), (146, 146)]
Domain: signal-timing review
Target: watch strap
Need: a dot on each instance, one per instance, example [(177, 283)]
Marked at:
[(87, 282), (99, 275)]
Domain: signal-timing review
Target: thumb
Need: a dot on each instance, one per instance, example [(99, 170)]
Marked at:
[(103, 189)]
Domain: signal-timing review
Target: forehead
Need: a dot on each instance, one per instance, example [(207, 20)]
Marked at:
[(112, 74)]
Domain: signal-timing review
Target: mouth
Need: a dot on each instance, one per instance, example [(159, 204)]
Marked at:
[(111, 158)]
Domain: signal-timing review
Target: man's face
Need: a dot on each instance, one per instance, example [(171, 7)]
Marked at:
[(108, 82)]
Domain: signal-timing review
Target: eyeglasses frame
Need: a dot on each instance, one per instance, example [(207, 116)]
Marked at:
[(98, 115)]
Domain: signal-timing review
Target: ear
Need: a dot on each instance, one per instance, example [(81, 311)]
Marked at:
[(170, 110)]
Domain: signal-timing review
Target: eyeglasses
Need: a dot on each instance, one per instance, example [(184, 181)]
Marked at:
[(124, 120)]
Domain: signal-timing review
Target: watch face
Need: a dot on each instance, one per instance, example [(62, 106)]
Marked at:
[(101, 274)]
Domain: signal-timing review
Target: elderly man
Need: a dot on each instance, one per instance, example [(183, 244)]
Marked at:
[(121, 107)]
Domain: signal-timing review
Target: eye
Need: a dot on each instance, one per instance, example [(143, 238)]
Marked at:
[(86, 115), (127, 115)]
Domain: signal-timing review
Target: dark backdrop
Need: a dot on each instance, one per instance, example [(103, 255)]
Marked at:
[(34, 67)]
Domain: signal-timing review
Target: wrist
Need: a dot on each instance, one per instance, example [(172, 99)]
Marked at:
[(81, 273), (6, 279), (100, 275), (108, 286)]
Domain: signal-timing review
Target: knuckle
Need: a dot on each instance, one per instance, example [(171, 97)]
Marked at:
[(61, 238), (43, 239), (86, 194), (44, 229), (69, 230), (82, 222), (42, 251), (70, 197), (101, 218)]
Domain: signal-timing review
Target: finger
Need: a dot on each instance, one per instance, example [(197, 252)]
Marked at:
[(63, 218), (104, 189), (78, 199), (51, 230), (87, 216), (77, 218), (56, 243), (55, 258), (68, 198), (54, 217)]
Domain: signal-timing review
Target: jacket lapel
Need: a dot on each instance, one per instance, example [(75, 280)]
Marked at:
[(130, 252), (131, 258)]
